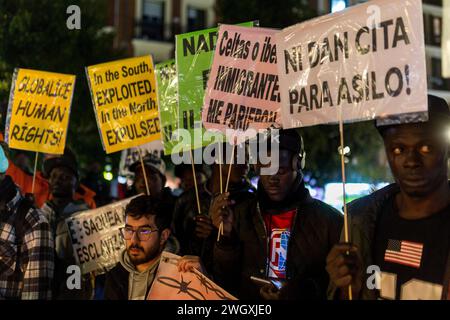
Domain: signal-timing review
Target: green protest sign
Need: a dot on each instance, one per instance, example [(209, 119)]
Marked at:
[(166, 76), (194, 55)]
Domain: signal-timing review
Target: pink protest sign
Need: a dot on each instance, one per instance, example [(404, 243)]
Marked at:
[(368, 61), (171, 284), (243, 92)]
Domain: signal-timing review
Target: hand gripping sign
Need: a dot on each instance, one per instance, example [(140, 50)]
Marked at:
[(125, 102), (243, 91), (39, 110), (368, 60)]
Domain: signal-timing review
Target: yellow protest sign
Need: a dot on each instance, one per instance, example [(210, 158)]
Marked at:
[(125, 102), (38, 110)]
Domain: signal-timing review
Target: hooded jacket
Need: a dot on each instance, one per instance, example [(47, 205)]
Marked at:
[(124, 282), (138, 282), (316, 228)]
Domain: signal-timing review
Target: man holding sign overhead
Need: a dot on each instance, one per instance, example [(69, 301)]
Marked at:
[(281, 234), (400, 234)]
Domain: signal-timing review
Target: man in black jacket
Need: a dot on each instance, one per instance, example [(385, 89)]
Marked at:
[(281, 233), (401, 233)]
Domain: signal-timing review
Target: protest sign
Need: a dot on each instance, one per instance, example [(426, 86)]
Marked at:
[(194, 55), (243, 89), (130, 156), (39, 110), (171, 284), (446, 39), (368, 61), (166, 76), (125, 102), (96, 238)]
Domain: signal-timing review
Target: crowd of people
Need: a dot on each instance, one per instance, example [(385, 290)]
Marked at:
[(276, 232)]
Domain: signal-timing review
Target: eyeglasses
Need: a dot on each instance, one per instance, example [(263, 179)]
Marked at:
[(143, 233)]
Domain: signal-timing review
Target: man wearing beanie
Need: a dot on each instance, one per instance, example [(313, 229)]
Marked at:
[(155, 170), (62, 173), (402, 232), (26, 243), (281, 233)]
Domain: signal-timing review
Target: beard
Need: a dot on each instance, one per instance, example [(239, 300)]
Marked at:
[(146, 256)]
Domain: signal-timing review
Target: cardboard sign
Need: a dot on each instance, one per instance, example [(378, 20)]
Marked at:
[(243, 90), (194, 55), (130, 156), (39, 110), (166, 75), (96, 238), (170, 284), (368, 61), (446, 39), (125, 102)]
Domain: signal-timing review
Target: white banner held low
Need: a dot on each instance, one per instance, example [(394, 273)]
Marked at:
[(96, 238)]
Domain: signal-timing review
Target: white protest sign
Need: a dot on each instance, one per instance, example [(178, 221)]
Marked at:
[(446, 39), (368, 60), (96, 238), (130, 156)]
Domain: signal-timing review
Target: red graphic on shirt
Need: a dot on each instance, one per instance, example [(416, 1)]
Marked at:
[(279, 227)]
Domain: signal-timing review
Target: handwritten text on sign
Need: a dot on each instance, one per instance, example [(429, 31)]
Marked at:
[(96, 238), (39, 110), (369, 59), (243, 89), (124, 95)]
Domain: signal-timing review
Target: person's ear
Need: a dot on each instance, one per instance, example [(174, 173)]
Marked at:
[(165, 234)]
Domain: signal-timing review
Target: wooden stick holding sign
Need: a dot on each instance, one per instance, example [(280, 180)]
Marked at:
[(143, 172), (230, 165), (195, 183), (34, 172), (346, 235), (220, 233), (220, 168)]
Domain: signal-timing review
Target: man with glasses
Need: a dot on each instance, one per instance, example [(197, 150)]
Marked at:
[(146, 231), (280, 233)]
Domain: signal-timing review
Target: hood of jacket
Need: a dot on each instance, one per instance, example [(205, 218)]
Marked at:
[(138, 282)]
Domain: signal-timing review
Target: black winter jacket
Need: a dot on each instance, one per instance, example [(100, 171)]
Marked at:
[(315, 230)]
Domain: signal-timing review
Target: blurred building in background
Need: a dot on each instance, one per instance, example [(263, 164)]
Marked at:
[(150, 26)]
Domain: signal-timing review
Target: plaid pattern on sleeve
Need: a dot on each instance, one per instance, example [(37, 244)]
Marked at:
[(34, 281)]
